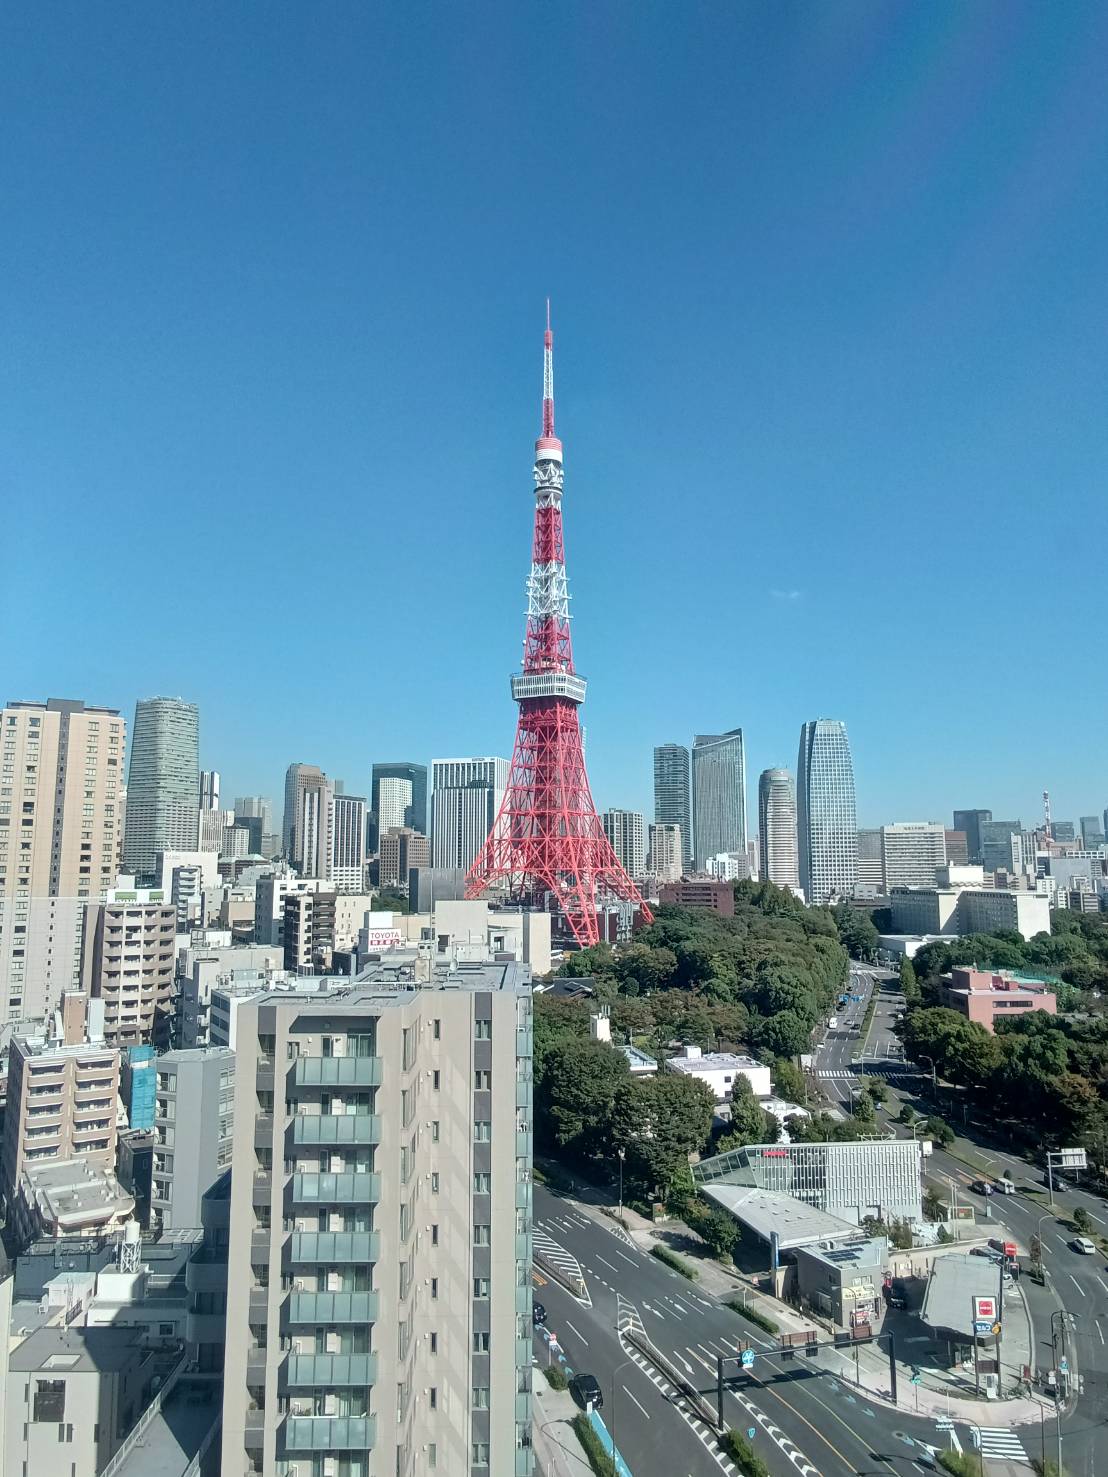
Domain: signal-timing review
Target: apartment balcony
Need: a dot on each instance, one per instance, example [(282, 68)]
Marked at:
[(350, 1188), (337, 1071), (258, 1304), (331, 1309), (336, 1128), (525, 1091), (525, 1043), (263, 1130), (329, 1371), (334, 1248), (254, 1433), (523, 1406), (255, 1366), (263, 1077), (330, 1433)]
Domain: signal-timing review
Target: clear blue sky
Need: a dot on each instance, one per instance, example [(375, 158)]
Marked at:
[(830, 289)]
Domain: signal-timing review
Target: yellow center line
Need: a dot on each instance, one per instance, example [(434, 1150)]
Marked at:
[(851, 1467)]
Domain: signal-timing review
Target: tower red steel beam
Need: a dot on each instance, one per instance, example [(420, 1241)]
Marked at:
[(547, 845)]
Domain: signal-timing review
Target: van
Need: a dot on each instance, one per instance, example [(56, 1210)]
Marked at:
[(1004, 1187)]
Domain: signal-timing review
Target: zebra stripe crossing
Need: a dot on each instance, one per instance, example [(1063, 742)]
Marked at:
[(999, 1444)]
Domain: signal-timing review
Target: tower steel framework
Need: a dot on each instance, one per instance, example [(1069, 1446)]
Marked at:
[(547, 846)]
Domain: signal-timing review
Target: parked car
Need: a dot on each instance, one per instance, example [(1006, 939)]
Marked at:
[(538, 1314), (1083, 1245), (1061, 1186), (585, 1389), (981, 1187), (987, 1251)]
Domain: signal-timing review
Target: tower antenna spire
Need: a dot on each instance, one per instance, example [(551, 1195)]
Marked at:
[(547, 848)]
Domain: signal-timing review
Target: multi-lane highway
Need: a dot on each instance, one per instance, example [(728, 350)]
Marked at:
[(1076, 1284), (807, 1419)]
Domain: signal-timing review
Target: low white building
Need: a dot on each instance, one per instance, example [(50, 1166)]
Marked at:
[(719, 1069), (952, 911)]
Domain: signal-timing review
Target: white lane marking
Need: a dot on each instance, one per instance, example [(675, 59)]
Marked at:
[(645, 1412), (711, 1368), (579, 1334), (1102, 1282), (607, 1263), (681, 1305), (649, 1309), (1100, 1331), (1075, 1282), (627, 1258)]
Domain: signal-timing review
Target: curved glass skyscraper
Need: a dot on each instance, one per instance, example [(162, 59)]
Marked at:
[(827, 827), (777, 845), (163, 783), (718, 794)]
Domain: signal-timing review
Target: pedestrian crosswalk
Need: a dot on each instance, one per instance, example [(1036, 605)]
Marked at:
[(877, 1069), (999, 1443)]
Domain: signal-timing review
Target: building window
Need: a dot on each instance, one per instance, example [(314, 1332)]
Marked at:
[(436, 1029), (49, 1403), (480, 1397), (482, 1030), (481, 1341), (482, 1184), (480, 1453), (482, 1081), (481, 1235), (434, 1130), (480, 1287)]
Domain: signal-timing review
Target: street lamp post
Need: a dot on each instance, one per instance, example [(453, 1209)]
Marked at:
[(622, 1154), (1060, 1314), (1039, 1238), (934, 1078)]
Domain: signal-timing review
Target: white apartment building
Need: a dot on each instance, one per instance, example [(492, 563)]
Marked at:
[(626, 831), (61, 818), (465, 799), (666, 851), (952, 911), (718, 1071)]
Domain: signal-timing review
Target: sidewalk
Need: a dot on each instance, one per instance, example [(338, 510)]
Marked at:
[(557, 1451)]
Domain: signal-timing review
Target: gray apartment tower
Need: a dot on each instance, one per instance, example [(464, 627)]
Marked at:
[(163, 784), (465, 798), (718, 794), (194, 1114), (379, 1271), (827, 828), (672, 794), (777, 854)]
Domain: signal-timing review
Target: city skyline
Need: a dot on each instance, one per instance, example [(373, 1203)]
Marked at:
[(821, 355)]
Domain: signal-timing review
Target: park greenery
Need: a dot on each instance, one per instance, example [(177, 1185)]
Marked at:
[(755, 983), (1044, 1077)]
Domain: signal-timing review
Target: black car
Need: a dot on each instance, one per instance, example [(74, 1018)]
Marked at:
[(585, 1389), (538, 1314)]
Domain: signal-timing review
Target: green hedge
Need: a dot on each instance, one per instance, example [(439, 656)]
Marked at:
[(752, 1315), (599, 1460), (678, 1264), (961, 1463), (555, 1377), (739, 1449)]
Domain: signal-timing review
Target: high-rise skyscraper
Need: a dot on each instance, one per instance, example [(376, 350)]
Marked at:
[(61, 815), (626, 830), (869, 879), (466, 795), (672, 793), (1002, 846), (718, 794), (1092, 832), (394, 804), (971, 822), (348, 831), (416, 813), (163, 784), (298, 778), (777, 854), (391, 1190), (209, 789), (827, 827), (260, 807)]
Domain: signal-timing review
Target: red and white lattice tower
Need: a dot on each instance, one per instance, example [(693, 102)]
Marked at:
[(547, 846)]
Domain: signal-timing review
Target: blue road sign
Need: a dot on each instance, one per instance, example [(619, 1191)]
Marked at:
[(746, 1358), (751, 1432)]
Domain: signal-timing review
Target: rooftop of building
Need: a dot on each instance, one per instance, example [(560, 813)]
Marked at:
[(74, 1191), (692, 1059), (182, 1428), (45, 1046), (184, 1054), (77, 1350), (638, 1060), (850, 1255), (390, 982), (64, 705), (956, 1279), (768, 1213), (968, 980)]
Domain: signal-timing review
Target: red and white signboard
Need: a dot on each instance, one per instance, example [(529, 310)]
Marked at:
[(984, 1310), (378, 939)]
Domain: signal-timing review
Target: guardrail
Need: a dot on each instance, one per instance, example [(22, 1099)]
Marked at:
[(681, 1381), (144, 1420)]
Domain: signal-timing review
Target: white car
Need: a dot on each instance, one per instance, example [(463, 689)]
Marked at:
[(1083, 1245)]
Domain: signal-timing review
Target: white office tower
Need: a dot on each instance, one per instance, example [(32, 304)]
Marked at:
[(465, 797), (348, 827), (666, 852), (379, 1268), (911, 853), (298, 777), (827, 827), (777, 849), (626, 831), (163, 784), (718, 794), (209, 789), (394, 803)]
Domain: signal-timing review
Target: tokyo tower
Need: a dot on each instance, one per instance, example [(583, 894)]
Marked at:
[(547, 846)]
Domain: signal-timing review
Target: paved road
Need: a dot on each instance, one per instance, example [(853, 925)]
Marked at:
[(1075, 1283), (807, 1419)]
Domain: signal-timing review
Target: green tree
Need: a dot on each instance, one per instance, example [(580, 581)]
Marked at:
[(789, 1081), (787, 1034), (748, 1117), (574, 1108), (933, 1207), (909, 985), (1082, 1221), (940, 1131), (856, 930), (672, 1117), (907, 1114)]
